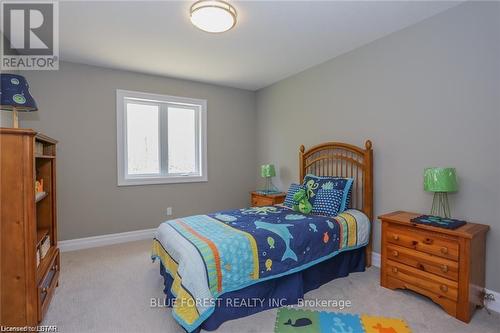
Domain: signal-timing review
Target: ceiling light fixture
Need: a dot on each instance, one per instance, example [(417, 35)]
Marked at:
[(213, 15)]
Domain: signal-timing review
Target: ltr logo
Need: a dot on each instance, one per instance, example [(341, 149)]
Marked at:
[(30, 35)]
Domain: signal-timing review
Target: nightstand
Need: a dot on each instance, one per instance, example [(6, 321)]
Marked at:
[(258, 199), (443, 264)]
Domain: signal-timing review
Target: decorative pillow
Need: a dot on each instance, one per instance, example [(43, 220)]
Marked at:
[(314, 183), (328, 202), (289, 201)]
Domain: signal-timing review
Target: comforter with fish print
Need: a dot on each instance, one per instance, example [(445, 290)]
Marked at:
[(209, 255)]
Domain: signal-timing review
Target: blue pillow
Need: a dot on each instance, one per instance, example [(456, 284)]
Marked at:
[(314, 183), (328, 202), (289, 202)]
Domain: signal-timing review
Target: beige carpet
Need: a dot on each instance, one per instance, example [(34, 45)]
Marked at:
[(109, 289)]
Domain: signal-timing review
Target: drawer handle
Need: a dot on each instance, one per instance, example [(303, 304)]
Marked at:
[(444, 268), (443, 288), (396, 237), (395, 253), (444, 250), (428, 241), (394, 269), (44, 290)]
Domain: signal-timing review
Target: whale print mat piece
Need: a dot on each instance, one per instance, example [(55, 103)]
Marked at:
[(209, 255), (291, 320)]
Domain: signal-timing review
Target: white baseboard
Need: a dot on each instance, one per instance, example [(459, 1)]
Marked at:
[(491, 305), (97, 241), (376, 259)]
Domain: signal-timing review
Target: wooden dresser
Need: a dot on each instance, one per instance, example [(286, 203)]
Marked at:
[(259, 199), (28, 223), (445, 265)]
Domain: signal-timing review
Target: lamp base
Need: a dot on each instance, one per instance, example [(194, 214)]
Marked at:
[(440, 205), (270, 188), (15, 119)]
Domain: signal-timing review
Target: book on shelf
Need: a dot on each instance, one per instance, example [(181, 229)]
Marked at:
[(45, 246), (40, 195), (38, 148)]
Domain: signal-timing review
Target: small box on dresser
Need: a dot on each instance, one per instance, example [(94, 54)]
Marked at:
[(448, 266)]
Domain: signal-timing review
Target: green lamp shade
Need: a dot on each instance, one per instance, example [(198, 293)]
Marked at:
[(440, 180), (267, 171)]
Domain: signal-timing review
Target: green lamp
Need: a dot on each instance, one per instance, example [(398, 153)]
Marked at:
[(268, 171), (440, 181)]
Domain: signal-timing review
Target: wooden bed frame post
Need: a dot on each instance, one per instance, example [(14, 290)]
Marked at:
[(344, 160), (368, 197), (302, 168)]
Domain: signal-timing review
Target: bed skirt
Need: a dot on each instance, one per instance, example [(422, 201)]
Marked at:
[(285, 290)]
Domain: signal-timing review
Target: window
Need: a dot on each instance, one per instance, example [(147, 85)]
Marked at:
[(161, 139)]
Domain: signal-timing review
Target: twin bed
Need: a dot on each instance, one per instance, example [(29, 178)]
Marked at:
[(231, 264)]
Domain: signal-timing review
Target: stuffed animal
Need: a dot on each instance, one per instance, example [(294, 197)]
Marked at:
[(303, 206)]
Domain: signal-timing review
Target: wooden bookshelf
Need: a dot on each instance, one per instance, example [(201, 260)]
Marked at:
[(26, 221)]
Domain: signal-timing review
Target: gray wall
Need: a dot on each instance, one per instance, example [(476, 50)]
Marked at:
[(77, 107), (5, 118), (426, 96)]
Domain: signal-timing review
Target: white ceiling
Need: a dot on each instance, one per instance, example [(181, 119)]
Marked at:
[(272, 39)]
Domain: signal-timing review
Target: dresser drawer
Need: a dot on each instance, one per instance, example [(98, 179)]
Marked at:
[(428, 242), (47, 286), (447, 304), (430, 282), (423, 261)]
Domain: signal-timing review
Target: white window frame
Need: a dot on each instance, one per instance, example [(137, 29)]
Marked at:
[(125, 179)]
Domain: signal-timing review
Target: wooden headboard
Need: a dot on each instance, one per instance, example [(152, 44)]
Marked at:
[(344, 160)]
